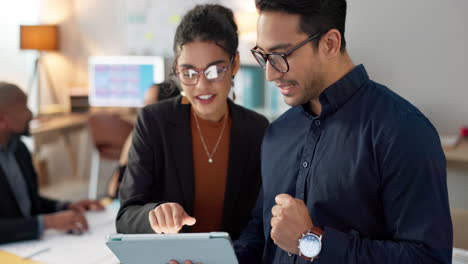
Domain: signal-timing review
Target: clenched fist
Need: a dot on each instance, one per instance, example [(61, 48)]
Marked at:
[(290, 219)]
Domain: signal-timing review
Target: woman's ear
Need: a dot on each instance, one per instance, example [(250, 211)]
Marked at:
[(235, 64)]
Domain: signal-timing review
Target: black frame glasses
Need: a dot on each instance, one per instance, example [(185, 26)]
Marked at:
[(206, 72), (275, 58)]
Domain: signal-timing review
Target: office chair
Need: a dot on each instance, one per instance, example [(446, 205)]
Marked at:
[(108, 133)]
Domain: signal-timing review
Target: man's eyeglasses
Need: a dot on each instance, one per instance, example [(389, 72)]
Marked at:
[(213, 73), (278, 59)]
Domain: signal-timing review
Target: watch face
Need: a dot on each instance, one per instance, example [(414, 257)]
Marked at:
[(310, 245)]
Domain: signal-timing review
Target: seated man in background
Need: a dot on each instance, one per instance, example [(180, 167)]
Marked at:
[(24, 214), (156, 93)]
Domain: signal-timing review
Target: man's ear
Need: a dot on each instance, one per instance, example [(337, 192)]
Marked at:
[(3, 122), (331, 43)]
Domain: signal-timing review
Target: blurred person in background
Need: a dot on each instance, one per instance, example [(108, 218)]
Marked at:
[(24, 213)]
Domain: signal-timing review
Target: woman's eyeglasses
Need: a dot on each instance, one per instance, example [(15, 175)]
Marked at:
[(213, 73)]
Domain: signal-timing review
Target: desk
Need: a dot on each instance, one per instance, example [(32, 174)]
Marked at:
[(459, 153), (59, 128), (58, 124), (59, 248)]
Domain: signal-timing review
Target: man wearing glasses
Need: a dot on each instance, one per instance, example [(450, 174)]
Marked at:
[(352, 173)]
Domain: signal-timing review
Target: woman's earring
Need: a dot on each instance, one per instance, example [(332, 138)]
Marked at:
[(182, 93), (232, 85)]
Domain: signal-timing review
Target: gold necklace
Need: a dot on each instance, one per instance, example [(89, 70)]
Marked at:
[(210, 155)]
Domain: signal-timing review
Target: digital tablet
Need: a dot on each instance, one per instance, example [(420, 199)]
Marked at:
[(208, 248)]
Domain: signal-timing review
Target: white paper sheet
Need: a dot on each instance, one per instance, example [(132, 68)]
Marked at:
[(460, 256)]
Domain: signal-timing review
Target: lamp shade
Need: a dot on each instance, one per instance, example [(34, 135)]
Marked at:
[(39, 37)]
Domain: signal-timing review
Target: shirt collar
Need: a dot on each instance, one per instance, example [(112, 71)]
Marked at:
[(341, 91), (11, 146)]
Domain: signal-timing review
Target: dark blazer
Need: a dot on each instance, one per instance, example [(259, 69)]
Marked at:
[(160, 166), (13, 225)]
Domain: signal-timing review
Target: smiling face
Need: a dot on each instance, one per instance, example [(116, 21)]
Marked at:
[(207, 97), (279, 32)]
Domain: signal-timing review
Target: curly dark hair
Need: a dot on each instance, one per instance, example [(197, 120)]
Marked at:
[(167, 89), (317, 16), (208, 22)]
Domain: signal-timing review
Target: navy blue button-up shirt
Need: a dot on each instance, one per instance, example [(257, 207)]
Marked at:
[(370, 169)]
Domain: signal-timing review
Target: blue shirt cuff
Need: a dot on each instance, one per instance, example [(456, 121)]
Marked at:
[(61, 206), (334, 246)]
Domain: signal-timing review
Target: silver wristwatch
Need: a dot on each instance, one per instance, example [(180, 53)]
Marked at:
[(310, 244)]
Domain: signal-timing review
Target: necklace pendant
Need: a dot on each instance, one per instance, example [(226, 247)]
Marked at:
[(210, 160)]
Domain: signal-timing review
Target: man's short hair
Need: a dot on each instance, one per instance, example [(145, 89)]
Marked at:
[(317, 16), (9, 93)]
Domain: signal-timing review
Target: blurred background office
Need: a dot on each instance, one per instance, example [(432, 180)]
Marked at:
[(417, 48)]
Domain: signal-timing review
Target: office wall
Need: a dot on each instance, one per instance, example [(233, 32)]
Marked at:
[(60, 63), (419, 49), (15, 65), (458, 184), (128, 27)]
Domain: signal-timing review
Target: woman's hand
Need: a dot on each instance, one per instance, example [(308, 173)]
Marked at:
[(168, 218)]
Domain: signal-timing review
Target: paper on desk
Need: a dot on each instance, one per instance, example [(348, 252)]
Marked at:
[(449, 141), (6, 257), (460, 256), (88, 248)]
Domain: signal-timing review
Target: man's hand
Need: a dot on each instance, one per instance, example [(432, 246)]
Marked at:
[(86, 205), (168, 218), (66, 221), (290, 220)]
